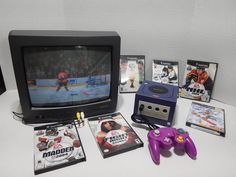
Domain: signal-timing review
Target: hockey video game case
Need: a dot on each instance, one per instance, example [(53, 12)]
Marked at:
[(113, 134), (165, 72), (198, 80)]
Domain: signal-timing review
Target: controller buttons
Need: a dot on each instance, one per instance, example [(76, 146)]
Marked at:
[(180, 139), (181, 131), (157, 132)]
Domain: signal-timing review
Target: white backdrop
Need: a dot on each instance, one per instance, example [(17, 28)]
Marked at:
[(159, 29)]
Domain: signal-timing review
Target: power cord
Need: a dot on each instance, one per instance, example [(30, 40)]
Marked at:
[(18, 116)]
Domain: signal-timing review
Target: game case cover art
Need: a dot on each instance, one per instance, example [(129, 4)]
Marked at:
[(198, 81), (56, 146), (165, 72), (132, 72), (207, 118), (113, 134)]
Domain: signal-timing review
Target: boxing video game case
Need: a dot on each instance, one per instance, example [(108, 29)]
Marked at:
[(207, 118), (132, 73), (56, 146), (165, 72), (198, 80), (113, 134)]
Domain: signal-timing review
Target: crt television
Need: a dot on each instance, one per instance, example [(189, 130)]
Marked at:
[(60, 73)]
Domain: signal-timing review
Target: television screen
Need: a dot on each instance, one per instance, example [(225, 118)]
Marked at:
[(67, 75)]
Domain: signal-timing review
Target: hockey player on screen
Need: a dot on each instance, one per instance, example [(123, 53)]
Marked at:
[(62, 80)]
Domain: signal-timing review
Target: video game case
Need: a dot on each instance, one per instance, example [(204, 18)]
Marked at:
[(113, 134), (132, 73), (166, 72), (198, 80), (56, 146), (207, 118)]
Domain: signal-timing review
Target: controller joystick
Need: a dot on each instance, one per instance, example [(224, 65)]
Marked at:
[(165, 138)]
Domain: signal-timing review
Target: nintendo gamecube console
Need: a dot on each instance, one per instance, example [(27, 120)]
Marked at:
[(156, 102)]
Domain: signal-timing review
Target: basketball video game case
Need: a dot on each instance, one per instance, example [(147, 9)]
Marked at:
[(113, 134), (198, 80), (56, 146)]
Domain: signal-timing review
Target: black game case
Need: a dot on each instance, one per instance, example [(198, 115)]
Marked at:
[(198, 81), (56, 146), (132, 73), (166, 72), (113, 134)]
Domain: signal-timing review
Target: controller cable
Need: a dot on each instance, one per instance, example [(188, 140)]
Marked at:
[(142, 120)]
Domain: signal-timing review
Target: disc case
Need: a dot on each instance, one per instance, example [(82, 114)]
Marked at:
[(165, 72), (56, 146), (113, 134), (207, 118), (198, 81)]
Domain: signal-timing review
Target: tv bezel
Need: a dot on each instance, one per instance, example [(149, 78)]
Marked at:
[(18, 39)]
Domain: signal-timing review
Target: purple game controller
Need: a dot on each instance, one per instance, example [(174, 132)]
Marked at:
[(165, 138)]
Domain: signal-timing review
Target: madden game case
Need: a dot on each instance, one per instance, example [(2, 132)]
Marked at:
[(56, 146), (132, 72), (113, 134), (198, 80), (165, 72), (207, 118)]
